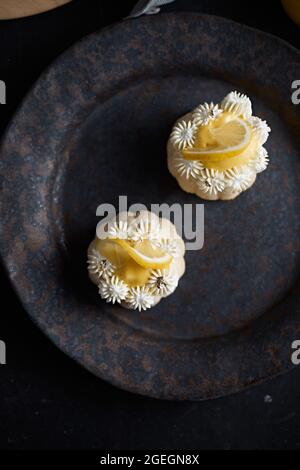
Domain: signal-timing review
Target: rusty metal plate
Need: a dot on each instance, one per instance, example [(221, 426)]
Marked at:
[(95, 127)]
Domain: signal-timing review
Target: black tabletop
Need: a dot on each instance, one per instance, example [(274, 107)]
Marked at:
[(46, 400)]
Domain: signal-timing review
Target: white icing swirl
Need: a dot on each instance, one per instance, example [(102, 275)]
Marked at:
[(121, 230), (237, 103), (113, 290), (211, 181), (99, 265), (239, 179), (261, 160), (140, 298), (183, 134), (261, 129), (145, 230), (205, 113), (161, 282), (188, 168)]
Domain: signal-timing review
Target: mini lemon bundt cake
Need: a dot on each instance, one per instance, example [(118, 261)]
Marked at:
[(136, 259), (217, 150)]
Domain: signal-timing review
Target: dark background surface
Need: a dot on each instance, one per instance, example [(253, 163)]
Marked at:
[(46, 400)]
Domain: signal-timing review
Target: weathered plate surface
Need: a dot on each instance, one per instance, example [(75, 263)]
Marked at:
[(95, 127)]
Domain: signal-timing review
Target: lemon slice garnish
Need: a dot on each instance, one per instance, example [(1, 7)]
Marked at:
[(113, 252), (126, 268), (146, 255), (227, 140)]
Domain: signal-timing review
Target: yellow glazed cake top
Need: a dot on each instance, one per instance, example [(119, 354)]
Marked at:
[(221, 137), (217, 150)]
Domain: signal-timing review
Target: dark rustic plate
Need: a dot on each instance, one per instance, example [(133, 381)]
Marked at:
[(95, 127)]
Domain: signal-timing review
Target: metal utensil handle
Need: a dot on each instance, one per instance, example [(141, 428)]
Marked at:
[(163, 2), (146, 7)]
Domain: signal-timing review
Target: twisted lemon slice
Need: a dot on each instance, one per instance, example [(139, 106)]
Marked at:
[(222, 143), (146, 255), (134, 263)]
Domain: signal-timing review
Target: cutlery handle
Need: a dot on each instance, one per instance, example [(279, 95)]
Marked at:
[(144, 7)]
